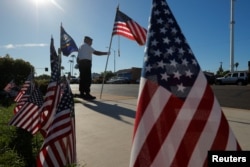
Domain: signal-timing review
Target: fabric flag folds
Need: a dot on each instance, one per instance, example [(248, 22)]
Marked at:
[(128, 28), (9, 86), (59, 147), (68, 45), (53, 94), (28, 84), (28, 117), (24, 93), (178, 117)]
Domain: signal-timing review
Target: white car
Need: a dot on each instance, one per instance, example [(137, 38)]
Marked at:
[(118, 80), (238, 78)]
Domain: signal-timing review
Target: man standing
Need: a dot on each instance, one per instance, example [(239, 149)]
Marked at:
[(84, 60)]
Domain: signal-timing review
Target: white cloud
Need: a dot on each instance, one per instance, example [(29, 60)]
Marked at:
[(13, 46), (9, 46)]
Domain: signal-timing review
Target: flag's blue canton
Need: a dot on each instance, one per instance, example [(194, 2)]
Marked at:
[(55, 63), (36, 98), (168, 59), (30, 77), (121, 17), (67, 101), (30, 84)]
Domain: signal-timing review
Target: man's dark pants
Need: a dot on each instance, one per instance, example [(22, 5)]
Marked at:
[(85, 76)]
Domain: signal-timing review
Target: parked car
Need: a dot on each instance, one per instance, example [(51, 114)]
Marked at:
[(210, 77), (238, 78), (118, 80), (74, 80)]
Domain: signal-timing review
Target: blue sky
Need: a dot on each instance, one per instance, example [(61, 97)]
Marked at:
[(27, 26)]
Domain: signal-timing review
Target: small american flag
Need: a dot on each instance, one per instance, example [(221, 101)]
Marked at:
[(53, 94), (59, 147), (28, 118), (128, 28), (26, 88), (9, 86), (178, 117), (24, 93)]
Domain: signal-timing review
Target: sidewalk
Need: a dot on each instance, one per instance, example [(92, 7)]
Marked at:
[(104, 130)]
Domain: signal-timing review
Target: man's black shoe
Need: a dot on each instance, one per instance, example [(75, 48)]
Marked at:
[(89, 97), (82, 95)]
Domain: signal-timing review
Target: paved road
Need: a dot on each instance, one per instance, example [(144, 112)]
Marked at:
[(233, 96), (228, 95)]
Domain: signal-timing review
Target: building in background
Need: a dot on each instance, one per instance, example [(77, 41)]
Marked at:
[(133, 74)]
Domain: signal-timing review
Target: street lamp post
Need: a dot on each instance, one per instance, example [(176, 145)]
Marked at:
[(114, 61), (114, 58), (73, 60)]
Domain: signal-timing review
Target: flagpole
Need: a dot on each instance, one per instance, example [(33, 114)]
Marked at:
[(60, 59), (104, 75), (60, 51)]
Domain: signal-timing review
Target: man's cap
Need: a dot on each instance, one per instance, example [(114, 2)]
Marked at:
[(88, 38)]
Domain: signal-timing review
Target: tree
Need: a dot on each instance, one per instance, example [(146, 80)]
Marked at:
[(43, 77), (236, 65), (16, 70), (107, 75), (220, 70)]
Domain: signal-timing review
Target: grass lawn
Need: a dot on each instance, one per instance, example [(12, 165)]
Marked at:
[(17, 147)]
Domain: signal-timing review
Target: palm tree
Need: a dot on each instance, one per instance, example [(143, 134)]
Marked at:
[(236, 65)]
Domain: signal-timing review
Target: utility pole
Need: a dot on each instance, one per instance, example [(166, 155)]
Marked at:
[(232, 22), (114, 59)]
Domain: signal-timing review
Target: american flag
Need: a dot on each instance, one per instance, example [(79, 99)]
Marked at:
[(128, 28), (53, 94), (178, 117), (24, 93), (9, 86), (59, 147), (26, 88), (28, 117)]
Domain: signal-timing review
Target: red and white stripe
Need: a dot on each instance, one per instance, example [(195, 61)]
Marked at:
[(23, 99), (23, 90), (140, 34), (172, 132), (49, 107), (27, 118), (130, 30), (59, 145), (19, 96)]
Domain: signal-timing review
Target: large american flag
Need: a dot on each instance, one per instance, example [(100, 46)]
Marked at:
[(53, 94), (178, 117), (28, 117), (128, 28), (59, 147)]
